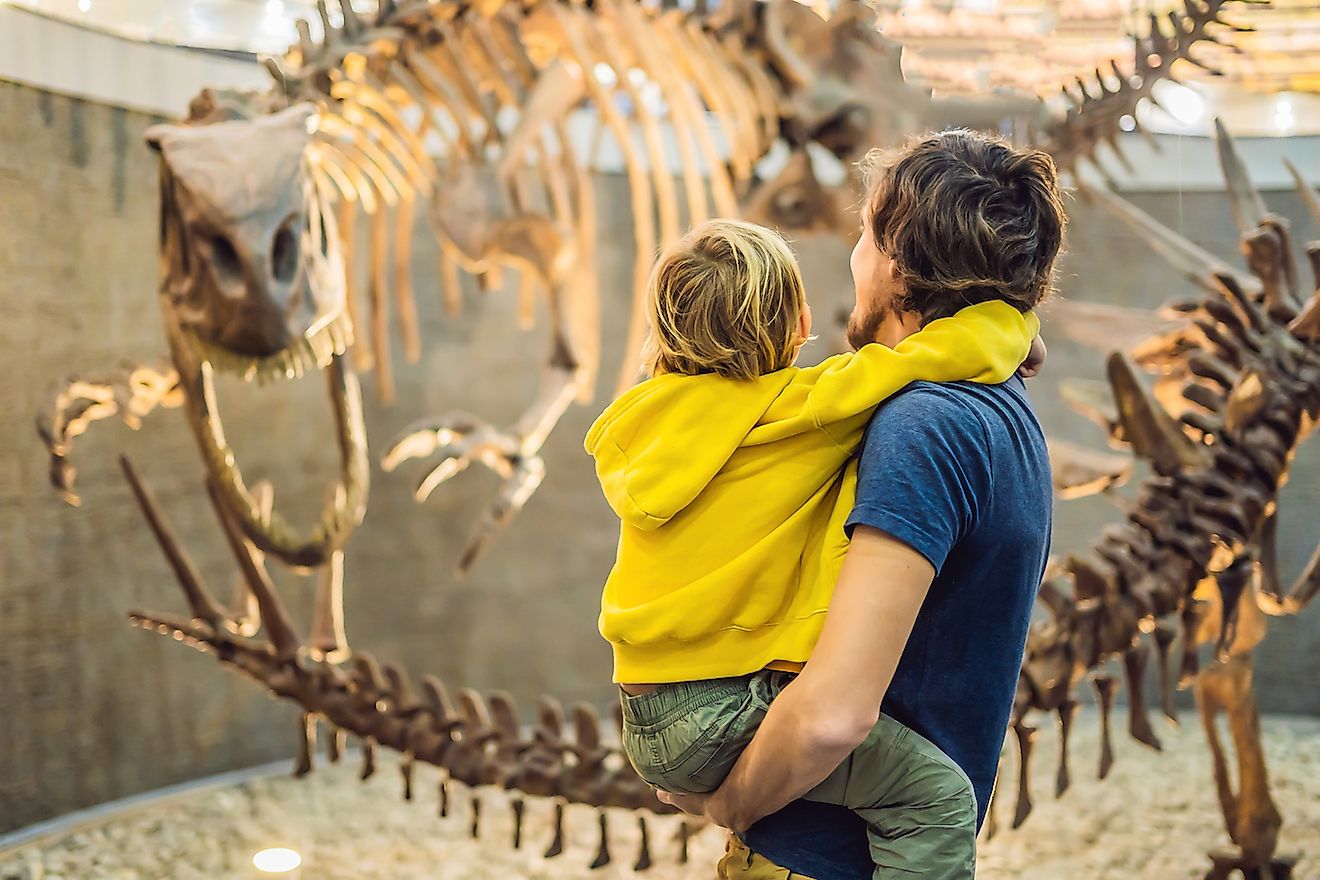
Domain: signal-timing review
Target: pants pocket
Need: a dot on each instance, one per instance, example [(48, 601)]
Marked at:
[(691, 751)]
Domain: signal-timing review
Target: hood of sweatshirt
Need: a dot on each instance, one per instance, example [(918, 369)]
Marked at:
[(659, 445)]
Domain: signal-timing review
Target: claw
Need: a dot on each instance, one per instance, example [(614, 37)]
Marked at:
[(460, 440), (424, 438)]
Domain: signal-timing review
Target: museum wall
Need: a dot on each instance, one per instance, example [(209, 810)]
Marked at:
[(91, 709)]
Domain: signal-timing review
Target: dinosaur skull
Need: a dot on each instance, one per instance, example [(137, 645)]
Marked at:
[(846, 92), (253, 283)]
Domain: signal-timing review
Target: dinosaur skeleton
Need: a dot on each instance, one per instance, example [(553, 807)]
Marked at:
[(461, 114), (266, 280), (1237, 390)]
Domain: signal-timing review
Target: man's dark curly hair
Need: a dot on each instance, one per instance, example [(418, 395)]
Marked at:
[(966, 217)]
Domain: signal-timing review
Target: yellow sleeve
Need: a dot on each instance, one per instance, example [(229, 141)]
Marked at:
[(985, 343)]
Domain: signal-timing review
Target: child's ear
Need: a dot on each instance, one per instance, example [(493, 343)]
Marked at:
[(804, 324)]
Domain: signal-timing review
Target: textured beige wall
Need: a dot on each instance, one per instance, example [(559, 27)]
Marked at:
[(91, 709)]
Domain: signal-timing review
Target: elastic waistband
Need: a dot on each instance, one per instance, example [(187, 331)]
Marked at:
[(668, 701)]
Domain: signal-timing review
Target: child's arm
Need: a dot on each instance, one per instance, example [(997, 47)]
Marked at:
[(984, 343)]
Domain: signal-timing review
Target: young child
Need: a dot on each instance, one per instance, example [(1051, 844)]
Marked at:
[(730, 470)]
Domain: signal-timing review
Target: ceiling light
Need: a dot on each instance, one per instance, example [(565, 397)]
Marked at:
[(1284, 120), (1182, 103)]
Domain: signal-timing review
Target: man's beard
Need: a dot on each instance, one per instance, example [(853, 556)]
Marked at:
[(863, 327)]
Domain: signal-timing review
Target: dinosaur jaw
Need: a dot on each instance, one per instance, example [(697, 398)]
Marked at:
[(320, 349)]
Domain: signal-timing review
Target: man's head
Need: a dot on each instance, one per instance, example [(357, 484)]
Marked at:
[(954, 219)]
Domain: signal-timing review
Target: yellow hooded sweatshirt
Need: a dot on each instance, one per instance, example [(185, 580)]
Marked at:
[(733, 495)]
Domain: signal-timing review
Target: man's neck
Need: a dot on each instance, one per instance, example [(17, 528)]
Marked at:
[(897, 327)]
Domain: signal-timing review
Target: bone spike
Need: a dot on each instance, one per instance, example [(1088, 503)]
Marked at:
[(1305, 190), (367, 673), (1134, 667), (1146, 426), (334, 744), (519, 806), (1065, 713), (1195, 263), (200, 603), (644, 847), (1094, 400), (638, 184), (1164, 636), (1306, 587), (329, 32), (1231, 583), (451, 287), (377, 284), (327, 634), (603, 854), (1026, 737), (586, 726), (684, 835), (274, 616), (504, 715), (1248, 207), (352, 24), (363, 357), (402, 697), (1104, 691), (403, 289), (368, 758), (526, 300), (684, 116), (1190, 622), (1268, 250), (306, 744), (557, 844), (1078, 471)]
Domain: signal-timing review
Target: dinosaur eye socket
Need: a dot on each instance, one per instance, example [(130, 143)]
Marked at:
[(284, 252), (225, 257)]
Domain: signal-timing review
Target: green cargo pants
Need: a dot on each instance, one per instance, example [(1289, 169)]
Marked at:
[(918, 804)]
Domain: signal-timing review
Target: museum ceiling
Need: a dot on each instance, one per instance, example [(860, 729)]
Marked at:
[(961, 46)]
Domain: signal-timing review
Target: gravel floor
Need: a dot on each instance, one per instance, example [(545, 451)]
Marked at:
[(1153, 818)]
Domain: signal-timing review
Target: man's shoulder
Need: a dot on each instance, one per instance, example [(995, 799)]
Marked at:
[(936, 405)]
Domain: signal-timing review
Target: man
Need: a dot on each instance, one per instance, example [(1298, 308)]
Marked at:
[(950, 530)]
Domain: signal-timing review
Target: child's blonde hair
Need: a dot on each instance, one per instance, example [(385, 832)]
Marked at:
[(726, 299)]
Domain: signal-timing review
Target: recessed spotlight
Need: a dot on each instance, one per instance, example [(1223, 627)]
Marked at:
[(277, 860)]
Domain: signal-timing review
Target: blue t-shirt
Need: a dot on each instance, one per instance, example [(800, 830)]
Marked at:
[(959, 472)]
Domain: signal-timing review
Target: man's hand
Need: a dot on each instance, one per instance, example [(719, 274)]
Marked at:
[(704, 806), (1035, 359)]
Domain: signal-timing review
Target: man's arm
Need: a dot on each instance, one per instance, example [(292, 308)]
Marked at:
[(830, 708)]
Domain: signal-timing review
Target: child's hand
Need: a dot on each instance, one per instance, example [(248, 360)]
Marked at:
[(1035, 359)]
